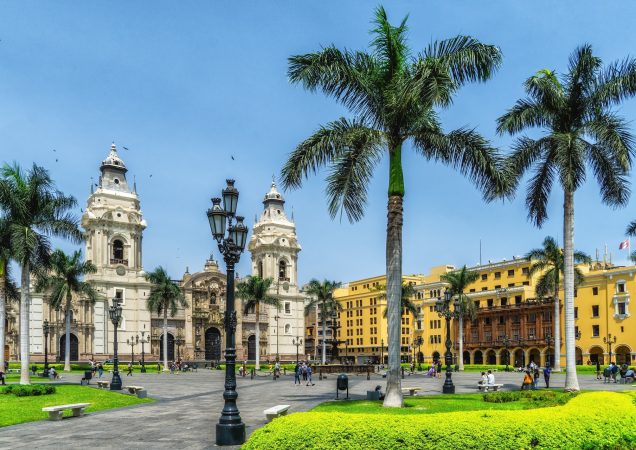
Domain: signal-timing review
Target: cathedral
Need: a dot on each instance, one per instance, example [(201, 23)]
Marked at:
[(113, 226)]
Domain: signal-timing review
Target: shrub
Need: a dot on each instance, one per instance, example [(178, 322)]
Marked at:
[(577, 424), (29, 390), (501, 397)]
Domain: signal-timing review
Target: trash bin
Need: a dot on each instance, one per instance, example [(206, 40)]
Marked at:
[(88, 374), (342, 384)]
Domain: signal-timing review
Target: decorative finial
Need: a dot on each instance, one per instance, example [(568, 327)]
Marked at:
[(273, 180), (92, 184), (292, 217), (187, 270), (135, 184)]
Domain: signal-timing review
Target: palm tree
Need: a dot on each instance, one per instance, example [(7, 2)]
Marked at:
[(35, 211), (393, 96), (253, 292), (406, 304), (60, 281), (631, 231), (458, 281), (165, 296), (549, 262), (582, 131), (322, 294), (8, 289)]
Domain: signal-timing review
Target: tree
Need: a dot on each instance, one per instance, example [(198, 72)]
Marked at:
[(35, 211), (61, 280), (550, 263), (253, 292), (631, 231), (322, 294), (393, 96), (165, 296), (406, 304), (8, 289), (581, 132), (458, 281)]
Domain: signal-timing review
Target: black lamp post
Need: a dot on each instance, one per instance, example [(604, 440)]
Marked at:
[(45, 328), (506, 342), (419, 341), (132, 342), (298, 341), (276, 317), (115, 317), (143, 341), (609, 340), (548, 340), (443, 308), (230, 430)]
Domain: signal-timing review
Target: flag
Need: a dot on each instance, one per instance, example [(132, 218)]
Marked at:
[(623, 245)]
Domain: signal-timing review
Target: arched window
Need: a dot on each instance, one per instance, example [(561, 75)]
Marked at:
[(282, 270), (260, 269), (118, 249)]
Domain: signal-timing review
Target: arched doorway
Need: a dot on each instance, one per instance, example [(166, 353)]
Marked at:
[(519, 358), (466, 357), (596, 354), (251, 348), (479, 357), (534, 356), (74, 348), (170, 347), (435, 356), (579, 356), (491, 357), (623, 355), (212, 344)]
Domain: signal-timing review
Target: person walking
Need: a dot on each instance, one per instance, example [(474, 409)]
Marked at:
[(598, 369), (158, 368), (439, 369), (535, 384), (546, 375), (100, 370), (297, 370), (309, 382), (129, 369)]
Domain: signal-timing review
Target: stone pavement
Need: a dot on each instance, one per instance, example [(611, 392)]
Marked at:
[(189, 404)]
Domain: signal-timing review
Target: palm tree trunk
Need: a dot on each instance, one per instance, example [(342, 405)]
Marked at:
[(393, 396), (460, 340), (324, 336), (24, 324), (257, 364), (67, 344), (557, 324), (571, 380), (165, 340), (3, 309)]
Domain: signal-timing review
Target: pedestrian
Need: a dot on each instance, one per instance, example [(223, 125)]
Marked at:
[(614, 369), (439, 369), (100, 370), (546, 375), (297, 371), (598, 369), (527, 381), (2, 377), (535, 384), (129, 369), (304, 366), (309, 376), (277, 370)]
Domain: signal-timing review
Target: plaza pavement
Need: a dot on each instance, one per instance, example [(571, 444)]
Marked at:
[(188, 406)]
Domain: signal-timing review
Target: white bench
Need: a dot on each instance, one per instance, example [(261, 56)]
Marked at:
[(14, 370), (276, 411), (56, 412), (138, 390), (487, 387), (102, 384), (411, 390)]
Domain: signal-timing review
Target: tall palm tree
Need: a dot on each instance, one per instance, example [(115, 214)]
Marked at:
[(406, 303), (393, 96), (321, 293), (165, 296), (550, 263), (61, 280), (36, 211), (581, 132), (8, 289), (458, 280), (253, 292)]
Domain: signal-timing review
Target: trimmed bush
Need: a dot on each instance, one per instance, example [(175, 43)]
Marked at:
[(29, 390), (502, 397), (578, 424)]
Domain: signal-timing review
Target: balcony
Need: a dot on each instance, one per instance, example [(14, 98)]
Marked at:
[(200, 313), (114, 261)]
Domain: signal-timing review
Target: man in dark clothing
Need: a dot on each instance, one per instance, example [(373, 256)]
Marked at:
[(546, 375)]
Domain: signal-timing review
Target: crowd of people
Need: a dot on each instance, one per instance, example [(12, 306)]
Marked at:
[(615, 373), (303, 371)]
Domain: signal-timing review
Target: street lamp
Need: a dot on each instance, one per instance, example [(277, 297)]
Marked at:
[(230, 430), (419, 341), (132, 342), (297, 341), (443, 310), (143, 341), (548, 340), (609, 340), (45, 328), (115, 316), (523, 353), (506, 342)]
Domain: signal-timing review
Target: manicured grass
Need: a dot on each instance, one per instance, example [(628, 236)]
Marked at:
[(442, 403), (14, 410)]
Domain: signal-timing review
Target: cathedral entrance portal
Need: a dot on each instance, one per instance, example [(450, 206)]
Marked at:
[(170, 347), (212, 344), (74, 347)]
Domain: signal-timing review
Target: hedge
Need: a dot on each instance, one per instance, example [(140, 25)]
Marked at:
[(593, 420), (29, 390)]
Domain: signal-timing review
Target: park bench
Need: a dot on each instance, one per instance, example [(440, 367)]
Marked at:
[(276, 411), (411, 390), (102, 384), (138, 390), (56, 412), (13, 370), (487, 387)]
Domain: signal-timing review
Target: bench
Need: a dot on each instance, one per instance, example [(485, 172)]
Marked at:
[(276, 411), (56, 412), (373, 395), (102, 384), (411, 390), (486, 387), (138, 390), (13, 370)]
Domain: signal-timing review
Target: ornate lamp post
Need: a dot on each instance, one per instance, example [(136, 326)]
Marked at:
[(443, 310), (297, 341), (506, 342), (143, 341), (132, 342), (609, 340), (230, 430), (115, 317), (46, 328), (276, 317), (419, 341), (548, 340)]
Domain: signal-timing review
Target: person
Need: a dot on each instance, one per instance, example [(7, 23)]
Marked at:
[(536, 375), (304, 368), (484, 378), (158, 367), (277, 369), (527, 381), (309, 376), (598, 369), (2, 377), (412, 366), (100, 370), (614, 368), (378, 388), (490, 379), (607, 374), (431, 371), (129, 369), (546, 375), (439, 369), (53, 374), (297, 373), (629, 376)]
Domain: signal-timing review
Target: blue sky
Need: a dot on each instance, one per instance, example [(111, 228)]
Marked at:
[(186, 85)]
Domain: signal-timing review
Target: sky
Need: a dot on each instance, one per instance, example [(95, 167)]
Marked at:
[(186, 86)]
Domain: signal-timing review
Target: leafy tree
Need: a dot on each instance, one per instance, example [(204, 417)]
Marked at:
[(61, 280), (393, 96), (550, 263), (35, 211), (254, 292), (581, 132), (458, 281), (8, 289), (321, 293), (165, 296)]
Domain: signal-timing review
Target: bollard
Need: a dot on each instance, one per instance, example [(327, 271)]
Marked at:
[(320, 374), (252, 374), (402, 372), (368, 374)]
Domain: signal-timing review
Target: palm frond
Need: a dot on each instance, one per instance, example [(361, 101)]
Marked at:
[(616, 82), (538, 192), (526, 113), (389, 43), (610, 174), (631, 228)]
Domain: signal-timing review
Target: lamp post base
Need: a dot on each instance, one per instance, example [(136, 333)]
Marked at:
[(230, 434), (115, 384), (446, 389)]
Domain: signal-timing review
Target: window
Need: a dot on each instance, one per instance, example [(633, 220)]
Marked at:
[(497, 286), (489, 302), (511, 285), (532, 317), (287, 307), (595, 331), (620, 287), (525, 270), (484, 288), (576, 312), (486, 320), (511, 273), (282, 271), (477, 304), (595, 291), (594, 310), (497, 275), (526, 283), (484, 276), (517, 299), (472, 290), (502, 320), (621, 308), (504, 301)]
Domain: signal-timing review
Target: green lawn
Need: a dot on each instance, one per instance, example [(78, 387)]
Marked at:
[(14, 410)]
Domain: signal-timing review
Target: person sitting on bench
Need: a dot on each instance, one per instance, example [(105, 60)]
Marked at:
[(378, 388)]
